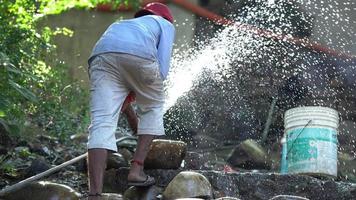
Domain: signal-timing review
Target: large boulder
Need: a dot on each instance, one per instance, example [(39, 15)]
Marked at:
[(195, 160), (249, 155), (165, 154), (44, 191), (116, 160), (188, 184)]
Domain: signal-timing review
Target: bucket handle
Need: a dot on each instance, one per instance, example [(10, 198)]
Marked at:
[(297, 138)]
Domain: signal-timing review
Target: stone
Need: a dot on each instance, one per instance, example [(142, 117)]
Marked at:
[(165, 154), (194, 160), (188, 184), (115, 161), (44, 190), (79, 138), (347, 135), (189, 199), (81, 166), (288, 197), (204, 142), (37, 166), (127, 154), (249, 155), (111, 196), (38, 148), (346, 167), (6, 140), (3, 150), (115, 181), (142, 193), (253, 185)]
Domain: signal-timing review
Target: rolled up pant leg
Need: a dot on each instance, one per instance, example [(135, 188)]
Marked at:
[(108, 93)]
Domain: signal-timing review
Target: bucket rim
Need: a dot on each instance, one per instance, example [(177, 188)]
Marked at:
[(331, 110)]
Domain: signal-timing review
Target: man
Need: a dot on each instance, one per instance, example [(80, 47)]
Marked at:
[(131, 57)]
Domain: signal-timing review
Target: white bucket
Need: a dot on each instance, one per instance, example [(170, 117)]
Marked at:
[(311, 133)]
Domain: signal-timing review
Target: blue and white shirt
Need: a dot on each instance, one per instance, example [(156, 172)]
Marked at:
[(149, 37)]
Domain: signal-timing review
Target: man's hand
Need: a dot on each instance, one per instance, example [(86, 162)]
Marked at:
[(130, 113), (131, 97)]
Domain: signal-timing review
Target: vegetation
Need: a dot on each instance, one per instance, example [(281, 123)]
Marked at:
[(34, 93)]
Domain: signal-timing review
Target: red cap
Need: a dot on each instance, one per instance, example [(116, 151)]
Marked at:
[(156, 8)]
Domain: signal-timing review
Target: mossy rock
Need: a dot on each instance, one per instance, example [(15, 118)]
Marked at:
[(188, 184)]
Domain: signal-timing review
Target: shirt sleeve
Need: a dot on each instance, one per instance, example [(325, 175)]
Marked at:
[(165, 46)]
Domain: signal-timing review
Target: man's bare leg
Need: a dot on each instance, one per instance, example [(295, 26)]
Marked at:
[(136, 171), (96, 167)]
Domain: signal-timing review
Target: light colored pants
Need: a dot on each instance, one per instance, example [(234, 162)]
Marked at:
[(112, 77)]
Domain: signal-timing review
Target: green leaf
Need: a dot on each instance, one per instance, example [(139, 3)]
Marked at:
[(5, 125), (2, 113), (26, 93)]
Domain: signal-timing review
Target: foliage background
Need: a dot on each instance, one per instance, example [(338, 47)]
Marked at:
[(38, 97)]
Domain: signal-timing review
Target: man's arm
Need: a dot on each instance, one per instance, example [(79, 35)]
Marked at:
[(131, 118), (130, 113)]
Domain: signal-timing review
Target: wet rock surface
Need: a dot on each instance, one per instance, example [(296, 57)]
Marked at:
[(226, 181), (188, 184), (37, 166), (165, 154), (115, 161), (142, 193), (111, 196), (288, 197), (249, 155), (264, 186), (43, 191)]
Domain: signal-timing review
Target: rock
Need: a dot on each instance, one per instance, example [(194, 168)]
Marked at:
[(347, 135), (249, 155), (81, 166), (227, 198), (142, 193), (129, 143), (115, 161), (3, 183), (44, 191), (111, 196), (188, 184), (115, 181), (37, 166), (3, 150), (165, 154), (204, 142), (38, 148), (253, 185), (189, 199), (79, 138), (346, 167), (6, 140), (127, 154), (194, 160), (288, 197)]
